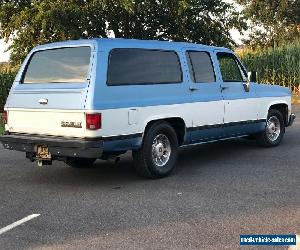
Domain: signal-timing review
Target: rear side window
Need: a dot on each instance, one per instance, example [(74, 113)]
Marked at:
[(141, 66), (63, 65), (201, 68)]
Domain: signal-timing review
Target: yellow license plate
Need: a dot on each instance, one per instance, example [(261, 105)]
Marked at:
[(43, 153)]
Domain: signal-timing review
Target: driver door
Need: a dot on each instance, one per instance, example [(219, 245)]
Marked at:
[(240, 103)]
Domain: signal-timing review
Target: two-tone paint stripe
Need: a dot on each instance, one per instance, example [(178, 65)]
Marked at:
[(224, 125), (191, 129)]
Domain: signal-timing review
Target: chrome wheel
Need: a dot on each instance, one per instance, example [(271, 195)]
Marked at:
[(161, 150), (273, 128)]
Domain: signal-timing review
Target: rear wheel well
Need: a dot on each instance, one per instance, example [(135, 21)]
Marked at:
[(283, 109), (178, 125)]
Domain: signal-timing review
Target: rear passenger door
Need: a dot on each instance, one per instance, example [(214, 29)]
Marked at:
[(208, 106), (241, 107)]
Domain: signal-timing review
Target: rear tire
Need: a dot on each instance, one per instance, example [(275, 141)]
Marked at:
[(159, 152), (80, 162), (274, 130)]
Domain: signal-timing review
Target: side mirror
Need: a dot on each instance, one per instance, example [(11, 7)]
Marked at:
[(246, 86), (252, 76)]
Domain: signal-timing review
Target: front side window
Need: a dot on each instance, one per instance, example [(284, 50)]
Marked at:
[(63, 65), (201, 68), (230, 69), (142, 66)]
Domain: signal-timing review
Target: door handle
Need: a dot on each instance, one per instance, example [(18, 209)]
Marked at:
[(193, 88), (43, 101)]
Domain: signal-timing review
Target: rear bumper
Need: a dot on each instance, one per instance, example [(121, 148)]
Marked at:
[(58, 146), (291, 120)]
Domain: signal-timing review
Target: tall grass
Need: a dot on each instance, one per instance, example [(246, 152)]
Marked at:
[(6, 80), (1, 125), (279, 65)]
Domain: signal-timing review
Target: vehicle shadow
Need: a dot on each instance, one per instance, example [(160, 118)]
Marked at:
[(108, 173), (216, 150)]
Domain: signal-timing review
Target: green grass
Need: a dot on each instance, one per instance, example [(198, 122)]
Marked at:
[(296, 100), (1, 125)]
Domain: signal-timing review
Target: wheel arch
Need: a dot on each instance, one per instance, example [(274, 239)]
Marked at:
[(178, 124), (283, 108)]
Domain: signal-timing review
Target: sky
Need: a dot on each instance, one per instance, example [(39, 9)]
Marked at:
[(4, 56)]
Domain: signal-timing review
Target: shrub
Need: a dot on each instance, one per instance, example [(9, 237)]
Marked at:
[(6, 80)]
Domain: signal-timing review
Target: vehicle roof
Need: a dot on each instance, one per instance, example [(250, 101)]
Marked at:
[(116, 42), (121, 42)]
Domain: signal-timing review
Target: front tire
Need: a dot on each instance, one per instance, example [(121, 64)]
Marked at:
[(274, 130), (159, 152)]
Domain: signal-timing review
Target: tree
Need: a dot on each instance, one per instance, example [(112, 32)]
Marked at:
[(272, 22), (32, 22)]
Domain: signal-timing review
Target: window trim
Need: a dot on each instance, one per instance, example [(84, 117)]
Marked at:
[(190, 63), (57, 48), (239, 65), (151, 83)]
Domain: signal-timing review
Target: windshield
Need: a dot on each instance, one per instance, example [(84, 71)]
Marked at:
[(63, 65)]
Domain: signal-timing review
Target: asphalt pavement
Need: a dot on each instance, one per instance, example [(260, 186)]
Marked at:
[(218, 191)]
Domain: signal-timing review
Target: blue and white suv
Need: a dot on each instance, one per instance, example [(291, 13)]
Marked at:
[(78, 101)]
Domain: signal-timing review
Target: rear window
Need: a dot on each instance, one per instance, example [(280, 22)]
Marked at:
[(141, 66), (63, 65)]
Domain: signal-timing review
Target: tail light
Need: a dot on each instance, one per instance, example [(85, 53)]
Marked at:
[(93, 121), (5, 117)]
